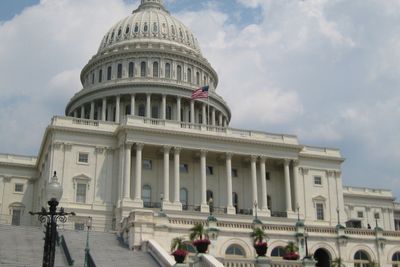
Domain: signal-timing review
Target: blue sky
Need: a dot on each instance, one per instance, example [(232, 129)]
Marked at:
[(325, 70)]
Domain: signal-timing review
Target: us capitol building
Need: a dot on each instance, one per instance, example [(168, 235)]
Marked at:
[(137, 154)]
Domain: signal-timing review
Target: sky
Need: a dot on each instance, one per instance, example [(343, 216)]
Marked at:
[(324, 70)]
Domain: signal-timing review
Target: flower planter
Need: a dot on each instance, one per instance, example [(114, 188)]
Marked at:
[(261, 249), (201, 245), (292, 256), (179, 255)]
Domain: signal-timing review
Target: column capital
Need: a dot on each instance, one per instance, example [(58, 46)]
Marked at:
[(177, 150), (203, 152), (139, 146), (166, 149), (228, 155), (296, 163), (286, 161), (263, 159), (133, 95), (304, 171), (128, 145), (253, 158), (329, 173), (338, 173), (179, 98)]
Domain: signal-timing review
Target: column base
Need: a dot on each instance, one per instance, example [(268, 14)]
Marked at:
[(264, 213), (172, 206), (204, 208), (263, 262), (231, 210), (137, 203), (291, 215)]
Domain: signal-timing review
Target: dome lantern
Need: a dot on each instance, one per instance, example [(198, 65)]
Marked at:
[(152, 3)]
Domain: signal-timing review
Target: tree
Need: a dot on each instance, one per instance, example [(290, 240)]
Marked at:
[(177, 244), (258, 235), (198, 232), (291, 248)]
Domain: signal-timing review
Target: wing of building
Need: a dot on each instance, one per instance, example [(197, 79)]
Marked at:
[(133, 146)]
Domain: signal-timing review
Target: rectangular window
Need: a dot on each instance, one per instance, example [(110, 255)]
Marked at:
[(234, 173), (109, 70), (81, 193), (19, 188), (320, 211), (147, 164), (169, 113), (360, 214), (317, 180), (210, 170), (267, 176), (184, 168), (79, 226), (83, 157), (92, 78), (100, 76), (376, 215)]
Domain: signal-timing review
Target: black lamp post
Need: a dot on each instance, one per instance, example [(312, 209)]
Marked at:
[(211, 206), (87, 249), (54, 193)]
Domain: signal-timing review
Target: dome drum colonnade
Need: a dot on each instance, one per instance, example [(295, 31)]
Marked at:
[(257, 175), (139, 59)]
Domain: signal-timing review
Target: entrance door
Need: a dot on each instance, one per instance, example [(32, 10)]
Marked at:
[(16, 217), (322, 257)]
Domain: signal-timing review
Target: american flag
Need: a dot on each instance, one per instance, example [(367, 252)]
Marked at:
[(202, 92)]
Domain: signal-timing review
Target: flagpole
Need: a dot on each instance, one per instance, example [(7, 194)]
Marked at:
[(208, 108)]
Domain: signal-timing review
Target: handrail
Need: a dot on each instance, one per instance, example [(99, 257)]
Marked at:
[(209, 261), (91, 262), (66, 251), (159, 254)]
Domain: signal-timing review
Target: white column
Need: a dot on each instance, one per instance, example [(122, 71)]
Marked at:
[(133, 104), (104, 109), (163, 107), (254, 181), (148, 106), (178, 108), (230, 209), (220, 123), (117, 108), (166, 174), (204, 207), (287, 186), (225, 122), (213, 116), (204, 114), (192, 111), (264, 192), (138, 176), (177, 175), (92, 110), (295, 183), (76, 113), (83, 112), (127, 172)]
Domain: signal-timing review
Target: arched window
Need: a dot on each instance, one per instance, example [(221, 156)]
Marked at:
[(189, 75), (210, 195), (145, 27), (100, 76), (155, 69), (127, 30), (136, 27), (167, 70), (119, 71), (92, 78), (169, 113), (142, 110), (184, 198), (146, 196), (179, 73), (235, 250), (143, 69), (155, 28), (109, 69), (131, 69), (396, 259), (278, 252), (172, 30), (361, 259), (128, 110), (197, 78)]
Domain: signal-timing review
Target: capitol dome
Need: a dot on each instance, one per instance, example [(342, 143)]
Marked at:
[(151, 21), (148, 65)]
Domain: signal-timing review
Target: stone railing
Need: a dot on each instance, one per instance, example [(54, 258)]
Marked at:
[(356, 231), (208, 129), (159, 254), (253, 263), (84, 123)]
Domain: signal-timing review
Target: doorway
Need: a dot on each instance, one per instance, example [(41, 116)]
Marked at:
[(322, 257)]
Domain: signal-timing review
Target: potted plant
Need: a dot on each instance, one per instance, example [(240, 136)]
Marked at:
[(178, 249), (291, 252), (199, 238), (260, 245)]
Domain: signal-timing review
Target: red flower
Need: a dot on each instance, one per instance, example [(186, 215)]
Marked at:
[(292, 256), (261, 244), (180, 252), (201, 241)]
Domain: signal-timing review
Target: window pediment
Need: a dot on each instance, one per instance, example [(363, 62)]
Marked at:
[(81, 178), (319, 198)]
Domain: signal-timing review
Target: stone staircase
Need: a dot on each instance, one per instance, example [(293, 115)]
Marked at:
[(23, 246)]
